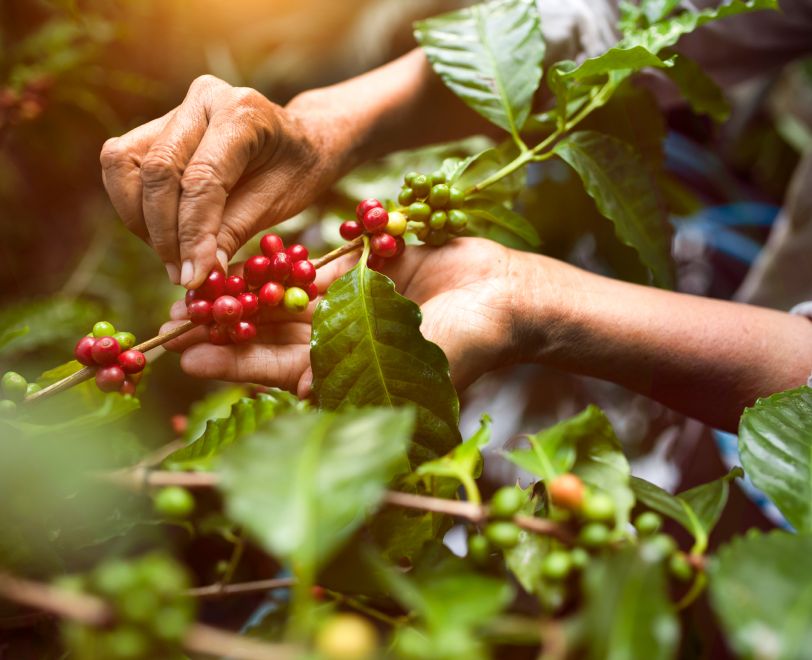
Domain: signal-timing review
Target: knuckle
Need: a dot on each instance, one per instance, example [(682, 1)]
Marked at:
[(201, 179), (159, 166), (114, 153), (206, 81)]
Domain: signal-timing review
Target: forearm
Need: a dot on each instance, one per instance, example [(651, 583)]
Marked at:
[(705, 358)]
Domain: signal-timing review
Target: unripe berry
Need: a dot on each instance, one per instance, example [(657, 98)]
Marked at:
[(125, 339), (438, 197), (396, 225), (375, 262), (647, 523), (479, 549), (192, 295), (424, 232), (503, 534), (83, 351), (579, 557), (271, 294), (419, 212), (376, 220), (437, 237), (32, 388), (346, 637), (132, 361), (401, 247), (594, 535), (507, 501), (226, 310), (297, 253), (174, 501), (365, 206), (110, 378), (242, 332), (106, 350), (312, 291), (270, 244), (302, 274), (438, 219), (8, 409), (599, 506), (383, 245), (235, 285), (557, 565), (200, 312), (128, 387), (660, 547), (213, 286), (456, 198), (409, 178), (256, 270), (406, 197), (250, 304), (280, 268), (457, 222), (566, 492), (218, 335), (103, 329), (14, 386), (679, 567), (421, 185), (437, 177), (295, 300), (351, 230)]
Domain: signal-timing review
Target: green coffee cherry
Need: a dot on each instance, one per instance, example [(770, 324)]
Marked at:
[(175, 501), (127, 643), (438, 219), (456, 198), (437, 177), (507, 501), (438, 197), (103, 329), (437, 237), (579, 557), (594, 535), (662, 546), (599, 506), (503, 534), (114, 577), (14, 386), (125, 339), (419, 212), (679, 567), (296, 300), (139, 605), (557, 565), (478, 548), (457, 221), (406, 197), (422, 186), (170, 624), (8, 409), (410, 177), (423, 233), (32, 388), (648, 523)]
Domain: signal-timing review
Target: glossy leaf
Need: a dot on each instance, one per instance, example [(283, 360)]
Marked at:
[(454, 168), (501, 215), (617, 59), (697, 510), (761, 591), (656, 10), (8, 337), (49, 320), (624, 191), (367, 350), (490, 55), (775, 445), (698, 88)]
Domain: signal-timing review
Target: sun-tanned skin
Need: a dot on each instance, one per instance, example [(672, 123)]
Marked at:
[(485, 305)]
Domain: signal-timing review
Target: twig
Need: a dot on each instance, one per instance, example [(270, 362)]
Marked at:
[(352, 246), (220, 590), (222, 643), (473, 512), (139, 478)]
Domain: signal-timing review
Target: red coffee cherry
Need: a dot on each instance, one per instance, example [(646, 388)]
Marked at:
[(235, 286), (132, 361), (250, 304), (375, 262), (366, 205), (200, 312), (179, 424), (401, 247), (192, 295), (83, 351), (242, 332), (128, 387), (270, 244), (271, 294), (567, 492), (302, 274), (384, 245), (280, 268), (226, 310), (351, 230), (213, 286), (312, 291), (376, 220), (218, 335), (297, 253), (110, 378), (256, 270), (105, 350)]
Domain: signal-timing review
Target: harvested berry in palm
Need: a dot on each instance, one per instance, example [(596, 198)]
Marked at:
[(250, 304), (213, 286), (406, 197), (456, 198), (438, 219), (83, 353), (226, 310), (192, 295), (200, 312), (270, 244), (375, 262), (302, 274), (312, 291), (280, 268), (242, 332), (297, 253), (421, 185), (128, 387), (257, 270), (106, 350), (218, 335), (110, 378), (271, 294), (396, 225), (401, 247), (365, 206), (295, 300), (132, 362), (438, 197), (235, 285), (383, 245), (419, 212), (376, 220), (437, 237), (457, 221), (351, 230)]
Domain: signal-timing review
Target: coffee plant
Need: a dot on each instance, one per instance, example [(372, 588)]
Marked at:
[(346, 499)]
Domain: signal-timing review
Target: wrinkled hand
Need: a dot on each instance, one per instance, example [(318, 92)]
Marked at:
[(464, 290), (200, 181)]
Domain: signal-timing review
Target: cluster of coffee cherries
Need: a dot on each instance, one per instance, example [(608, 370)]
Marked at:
[(151, 614), (121, 366), (433, 207), (15, 388), (231, 304), (385, 229)]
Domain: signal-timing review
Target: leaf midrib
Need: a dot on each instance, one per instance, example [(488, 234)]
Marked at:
[(362, 273)]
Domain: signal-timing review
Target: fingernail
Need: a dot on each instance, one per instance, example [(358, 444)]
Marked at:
[(188, 273), (222, 257), (174, 273)]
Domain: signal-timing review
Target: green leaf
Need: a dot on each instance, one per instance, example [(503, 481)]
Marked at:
[(775, 445), (698, 88), (628, 613), (624, 191), (656, 10), (454, 168), (761, 591), (697, 510), (11, 336), (51, 320), (300, 485), (367, 350), (617, 59), (214, 405), (502, 216), (525, 560), (490, 55), (247, 415)]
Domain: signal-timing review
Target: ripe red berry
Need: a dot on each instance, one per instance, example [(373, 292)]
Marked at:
[(83, 351), (384, 245), (110, 378), (235, 286), (271, 294), (105, 350), (250, 304), (128, 387), (218, 335), (226, 310), (312, 291), (302, 274), (280, 267), (192, 295), (270, 244), (351, 230), (200, 312), (376, 220), (132, 362), (179, 424), (297, 253), (366, 205), (256, 270), (375, 262), (401, 247), (242, 332), (213, 286)]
